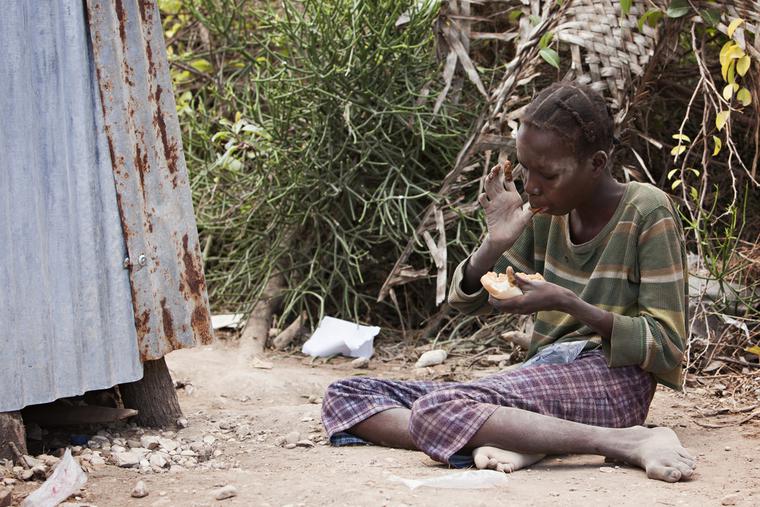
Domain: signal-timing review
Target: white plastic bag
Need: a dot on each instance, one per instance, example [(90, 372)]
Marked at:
[(469, 479), (67, 478), (336, 336)]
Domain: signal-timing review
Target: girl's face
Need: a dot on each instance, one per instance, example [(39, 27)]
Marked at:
[(553, 177)]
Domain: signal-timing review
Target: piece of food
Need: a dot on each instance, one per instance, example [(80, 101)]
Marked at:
[(507, 168), (504, 285)]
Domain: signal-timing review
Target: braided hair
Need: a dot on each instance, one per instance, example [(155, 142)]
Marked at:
[(575, 112)]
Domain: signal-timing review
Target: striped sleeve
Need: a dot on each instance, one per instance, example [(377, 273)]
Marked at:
[(654, 339), (519, 256)]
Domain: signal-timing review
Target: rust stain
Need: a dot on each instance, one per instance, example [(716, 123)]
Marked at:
[(119, 6), (168, 322), (201, 325), (146, 11), (194, 279), (141, 163), (170, 148)]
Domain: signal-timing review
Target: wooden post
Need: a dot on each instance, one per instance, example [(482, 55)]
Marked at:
[(154, 396), (12, 435)]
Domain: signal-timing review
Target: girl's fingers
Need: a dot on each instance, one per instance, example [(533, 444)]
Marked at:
[(483, 200), (491, 185)]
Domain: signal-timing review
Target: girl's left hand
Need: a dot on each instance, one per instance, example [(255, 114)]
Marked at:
[(538, 295)]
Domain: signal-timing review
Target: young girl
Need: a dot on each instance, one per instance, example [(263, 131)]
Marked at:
[(613, 300)]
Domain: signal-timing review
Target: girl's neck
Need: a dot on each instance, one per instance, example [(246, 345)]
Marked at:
[(602, 203)]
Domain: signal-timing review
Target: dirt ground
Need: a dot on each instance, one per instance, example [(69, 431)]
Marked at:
[(274, 402)]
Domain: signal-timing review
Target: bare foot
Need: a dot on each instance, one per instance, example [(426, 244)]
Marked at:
[(659, 452), (501, 460)]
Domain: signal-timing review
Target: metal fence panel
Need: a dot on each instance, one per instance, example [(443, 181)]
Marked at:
[(66, 319), (152, 184)]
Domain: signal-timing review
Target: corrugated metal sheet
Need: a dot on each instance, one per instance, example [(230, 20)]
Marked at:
[(66, 320), (168, 285)]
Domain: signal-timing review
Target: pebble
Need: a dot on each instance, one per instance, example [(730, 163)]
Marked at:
[(149, 442), (360, 362), (292, 437), (305, 443), (139, 491), (209, 439), (225, 492), (314, 399), (125, 459), (290, 446), (606, 470), (731, 499), (727, 448), (168, 444), (431, 358), (182, 423)]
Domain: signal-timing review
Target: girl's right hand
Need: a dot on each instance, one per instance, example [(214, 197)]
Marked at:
[(506, 217)]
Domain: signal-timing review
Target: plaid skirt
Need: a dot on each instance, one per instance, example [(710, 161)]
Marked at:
[(446, 415)]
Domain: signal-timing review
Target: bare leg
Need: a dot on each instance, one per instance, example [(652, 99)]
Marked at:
[(656, 450), (389, 428)]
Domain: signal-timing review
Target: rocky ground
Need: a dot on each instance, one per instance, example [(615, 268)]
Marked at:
[(252, 436)]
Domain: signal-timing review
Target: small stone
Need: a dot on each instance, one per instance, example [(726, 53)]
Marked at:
[(9, 481), (187, 453), (606, 470), (243, 431), (225, 492), (149, 442), (97, 460), (139, 491), (290, 446), (100, 439), (5, 498), (118, 448), (305, 443), (27, 475), (209, 439), (168, 444), (125, 459), (727, 448), (182, 423), (30, 461), (144, 463), (731, 499), (314, 399), (431, 358), (157, 460), (292, 437), (134, 443), (47, 460), (217, 453), (360, 363), (40, 471)]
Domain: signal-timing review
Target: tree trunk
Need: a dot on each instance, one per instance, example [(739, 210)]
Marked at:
[(254, 338), (12, 433), (154, 396)]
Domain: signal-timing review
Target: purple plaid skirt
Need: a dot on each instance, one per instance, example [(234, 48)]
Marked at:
[(446, 415)]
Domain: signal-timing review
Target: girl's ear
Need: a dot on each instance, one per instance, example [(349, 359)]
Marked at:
[(599, 162)]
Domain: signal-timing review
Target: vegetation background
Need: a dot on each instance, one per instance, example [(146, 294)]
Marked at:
[(318, 134)]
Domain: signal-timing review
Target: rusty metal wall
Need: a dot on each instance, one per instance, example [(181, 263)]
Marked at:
[(144, 141), (66, 320)]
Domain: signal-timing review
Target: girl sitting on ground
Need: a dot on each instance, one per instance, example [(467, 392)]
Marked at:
[(612, 306)]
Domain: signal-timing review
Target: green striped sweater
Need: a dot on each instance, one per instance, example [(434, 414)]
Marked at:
[(635, 268)]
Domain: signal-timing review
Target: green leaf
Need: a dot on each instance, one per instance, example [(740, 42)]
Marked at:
[(733, 26), (672, 172), (728, 91), (551, 57), (744, 97), (693, 171), (202, 65), (694, 194), (721, 119), (731, 77), (675, 184), (677, 150), (755, 349), (678, 8), (545, 40), (514, 15), (718, 145), (650, 17), (711, 16), (682, 137), (625, 6), (534, 20), (742, 66), (169, 6)]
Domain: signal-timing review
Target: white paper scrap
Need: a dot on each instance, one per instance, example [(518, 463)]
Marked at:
[(335, 336), (233, 320)]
